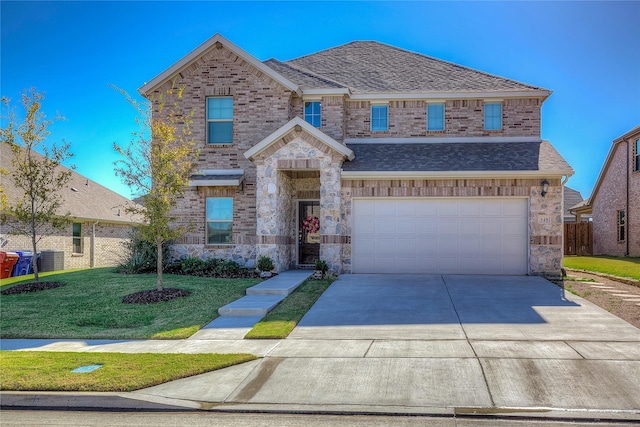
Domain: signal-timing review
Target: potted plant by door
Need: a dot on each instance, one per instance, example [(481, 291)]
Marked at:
[(321, 269), (265, 265)]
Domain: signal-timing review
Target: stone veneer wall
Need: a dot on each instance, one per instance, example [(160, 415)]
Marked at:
[(612, 197), (545, 213), (277, 192), (109, 244), (463, 118)]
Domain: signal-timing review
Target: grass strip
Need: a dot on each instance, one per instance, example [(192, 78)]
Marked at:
[(51, 371), (615, 266), (90, 306), (280, 321)]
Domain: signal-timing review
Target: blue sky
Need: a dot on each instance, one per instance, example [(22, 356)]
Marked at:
[(585, 52)]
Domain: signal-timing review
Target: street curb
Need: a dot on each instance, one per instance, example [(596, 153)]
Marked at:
[(89, 401), (129, 402)]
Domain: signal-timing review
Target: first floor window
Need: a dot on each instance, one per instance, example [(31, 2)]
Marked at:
[(493, 116), (621, 226), (637, 155), (220, 120), (435, 117), (379, 117), (77, 238), (219, 220), (313, 113)]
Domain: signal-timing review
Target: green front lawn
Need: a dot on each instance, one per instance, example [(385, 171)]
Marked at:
[(51, 371), (90, 306), (280, 321), (615, 266)]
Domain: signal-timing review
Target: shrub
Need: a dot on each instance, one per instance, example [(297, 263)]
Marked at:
[(265, 263), (322, 266), (228, 266), (140, 256), (193, 266)]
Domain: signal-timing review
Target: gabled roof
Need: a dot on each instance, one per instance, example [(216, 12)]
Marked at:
[(83, 198), (201, 50), (635, 132), (291, 126), (369, 67), (572, 198), (468, 158), (366, 70)]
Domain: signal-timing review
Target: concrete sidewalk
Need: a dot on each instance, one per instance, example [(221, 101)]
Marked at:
[(443, 345)]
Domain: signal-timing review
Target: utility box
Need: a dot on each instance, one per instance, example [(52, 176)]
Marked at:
[(51, 261)]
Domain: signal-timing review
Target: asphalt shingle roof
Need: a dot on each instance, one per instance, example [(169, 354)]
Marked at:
[(373, 67), (83, 198), (440, 157)]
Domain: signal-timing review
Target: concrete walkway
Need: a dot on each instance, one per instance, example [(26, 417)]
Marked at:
[(239, 317), (412, 344)]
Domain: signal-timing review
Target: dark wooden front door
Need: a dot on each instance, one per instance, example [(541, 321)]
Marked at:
[(308, 232)]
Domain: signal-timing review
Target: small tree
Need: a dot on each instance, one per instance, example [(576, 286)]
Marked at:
[(157, 165), (38, 177)]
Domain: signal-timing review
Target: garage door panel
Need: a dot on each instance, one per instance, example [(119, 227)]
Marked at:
[(445, 236)]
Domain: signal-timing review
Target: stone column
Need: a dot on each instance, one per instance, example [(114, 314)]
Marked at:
[(330, 201)]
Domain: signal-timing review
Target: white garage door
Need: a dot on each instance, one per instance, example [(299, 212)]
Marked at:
[(442, 236)]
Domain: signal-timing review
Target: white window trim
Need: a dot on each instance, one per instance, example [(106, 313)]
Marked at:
[(304, 113), (73, 239), (207, 221), (484, 112), (444, 108), (208, 120), (621, 225), (371, 116)]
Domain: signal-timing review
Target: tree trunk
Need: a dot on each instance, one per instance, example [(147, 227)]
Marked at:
[(159, 263), (34, 260)]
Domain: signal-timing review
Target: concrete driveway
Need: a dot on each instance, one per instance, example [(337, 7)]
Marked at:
[(423, 342)]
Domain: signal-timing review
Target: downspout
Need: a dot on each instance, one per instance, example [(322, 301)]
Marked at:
[(626, 212), (93, 244), (562, 184)]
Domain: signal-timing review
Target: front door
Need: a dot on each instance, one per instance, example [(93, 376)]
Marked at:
[(308, 232)]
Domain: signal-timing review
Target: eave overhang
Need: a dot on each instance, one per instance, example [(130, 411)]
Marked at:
[(217, 178), (452, 174)]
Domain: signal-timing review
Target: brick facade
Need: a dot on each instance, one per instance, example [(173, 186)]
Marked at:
[(619, 189), (106, 251), (298, 167)]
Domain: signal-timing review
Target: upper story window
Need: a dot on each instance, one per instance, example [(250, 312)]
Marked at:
[(637, 155), (77, 238), (379, 118), (313, 113), (220, 120), (621, 226), (435, 117), (493, 116), (219, 220)]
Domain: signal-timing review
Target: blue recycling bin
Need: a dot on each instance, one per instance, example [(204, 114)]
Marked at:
[(23, 266)]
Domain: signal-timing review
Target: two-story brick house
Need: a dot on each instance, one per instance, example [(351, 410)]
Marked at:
[(615, 201), (370, 157)]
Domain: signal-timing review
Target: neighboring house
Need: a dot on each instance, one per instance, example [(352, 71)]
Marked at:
[(98, 222), (615, 201), (573, 198), (409, 164)]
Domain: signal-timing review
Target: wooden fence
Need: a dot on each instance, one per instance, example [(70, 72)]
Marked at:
[(578, 238)]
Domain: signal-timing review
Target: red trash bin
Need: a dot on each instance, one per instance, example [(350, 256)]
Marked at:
[(7, 260)]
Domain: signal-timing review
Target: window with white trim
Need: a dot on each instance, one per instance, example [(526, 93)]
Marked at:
[(621, 226), (219, 220), (435, 117), (313, 113), (492, 116), (220, 120), (637, 156), (77, 238), (379, 118)]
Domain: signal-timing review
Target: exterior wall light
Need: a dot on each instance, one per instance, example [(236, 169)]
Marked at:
[(545, 188)]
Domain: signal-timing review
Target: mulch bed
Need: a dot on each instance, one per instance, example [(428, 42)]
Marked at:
[(31, 287), (155, 296)]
